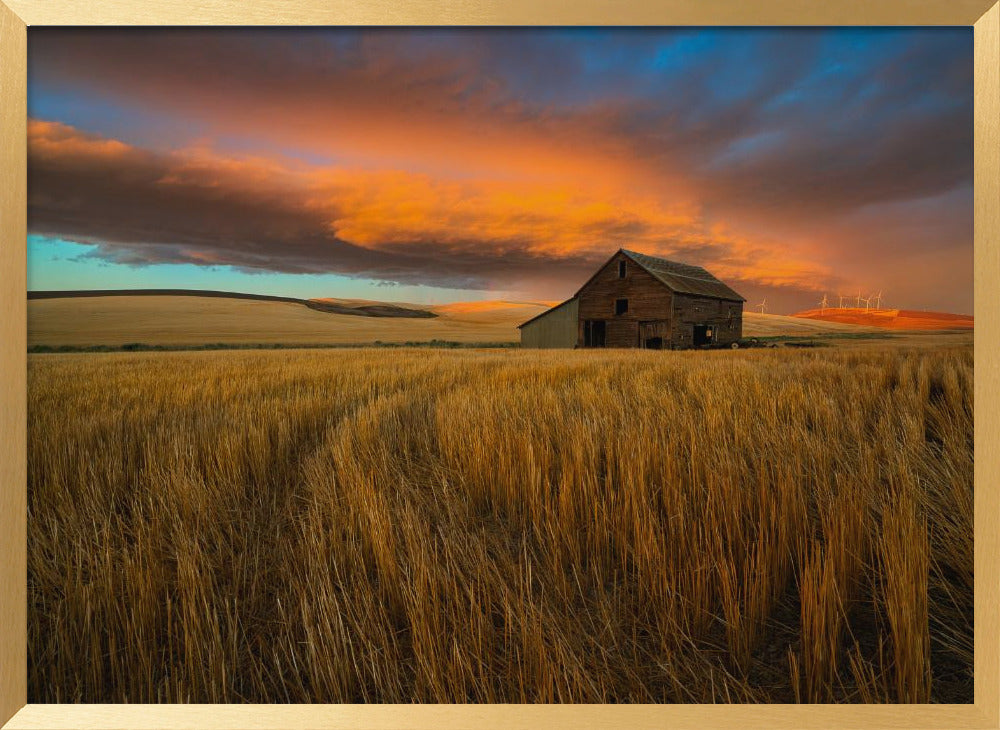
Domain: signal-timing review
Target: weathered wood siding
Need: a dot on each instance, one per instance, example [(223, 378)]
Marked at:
[(648, 300), (725, 317), (555, 328), (657, 315)]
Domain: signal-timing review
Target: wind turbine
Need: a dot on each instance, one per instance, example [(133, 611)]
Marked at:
[(763, 306), (878, 300), (841, 305), (866, 301), (858, 302), (823, 304)]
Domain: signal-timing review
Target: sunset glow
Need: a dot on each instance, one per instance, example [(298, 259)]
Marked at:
[(502, 164)]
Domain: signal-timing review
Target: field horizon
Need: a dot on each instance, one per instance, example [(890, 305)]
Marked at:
[(102, 318)]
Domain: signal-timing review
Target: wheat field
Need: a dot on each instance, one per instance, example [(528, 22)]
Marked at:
[(501, 526)]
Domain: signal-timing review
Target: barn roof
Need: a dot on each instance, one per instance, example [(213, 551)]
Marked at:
[(542, 314), (684, 278), (678, 277)]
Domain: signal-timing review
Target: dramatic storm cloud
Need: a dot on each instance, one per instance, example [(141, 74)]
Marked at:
[(792, 163)]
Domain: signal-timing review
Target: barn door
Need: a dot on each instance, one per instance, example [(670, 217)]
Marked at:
[(594, 333), (704, 334)]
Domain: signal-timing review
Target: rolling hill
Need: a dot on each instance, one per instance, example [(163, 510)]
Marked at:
[(196, 319), (355, 307), (893, 319)]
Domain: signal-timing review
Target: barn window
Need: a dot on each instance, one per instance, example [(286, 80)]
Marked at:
[(621, 269), (621, 306)]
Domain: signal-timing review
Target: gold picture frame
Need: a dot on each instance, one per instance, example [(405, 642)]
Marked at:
[(16, 15)]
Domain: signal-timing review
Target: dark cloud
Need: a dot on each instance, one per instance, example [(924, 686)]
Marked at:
[(802, 138), (141, 208)]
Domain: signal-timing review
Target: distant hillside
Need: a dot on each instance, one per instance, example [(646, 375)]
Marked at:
[(756, 324), (331, 306), (196, 319), (491, 312), (894, 319)]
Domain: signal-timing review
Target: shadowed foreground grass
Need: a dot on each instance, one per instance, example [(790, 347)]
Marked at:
[(390, 526)]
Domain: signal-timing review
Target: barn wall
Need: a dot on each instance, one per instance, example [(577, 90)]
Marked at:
[(555, 328), (724, 316), (648, 299)]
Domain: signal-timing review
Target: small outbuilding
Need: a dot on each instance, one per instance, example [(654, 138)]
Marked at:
[(642, 301)]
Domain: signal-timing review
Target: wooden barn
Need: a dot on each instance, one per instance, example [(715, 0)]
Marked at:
[(642, 301)]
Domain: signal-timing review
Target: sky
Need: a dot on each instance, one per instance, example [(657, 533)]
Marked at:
[(436, 165)]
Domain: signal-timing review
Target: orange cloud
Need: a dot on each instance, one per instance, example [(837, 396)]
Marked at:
[(56, 140), (203, 207), (392, 209)]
